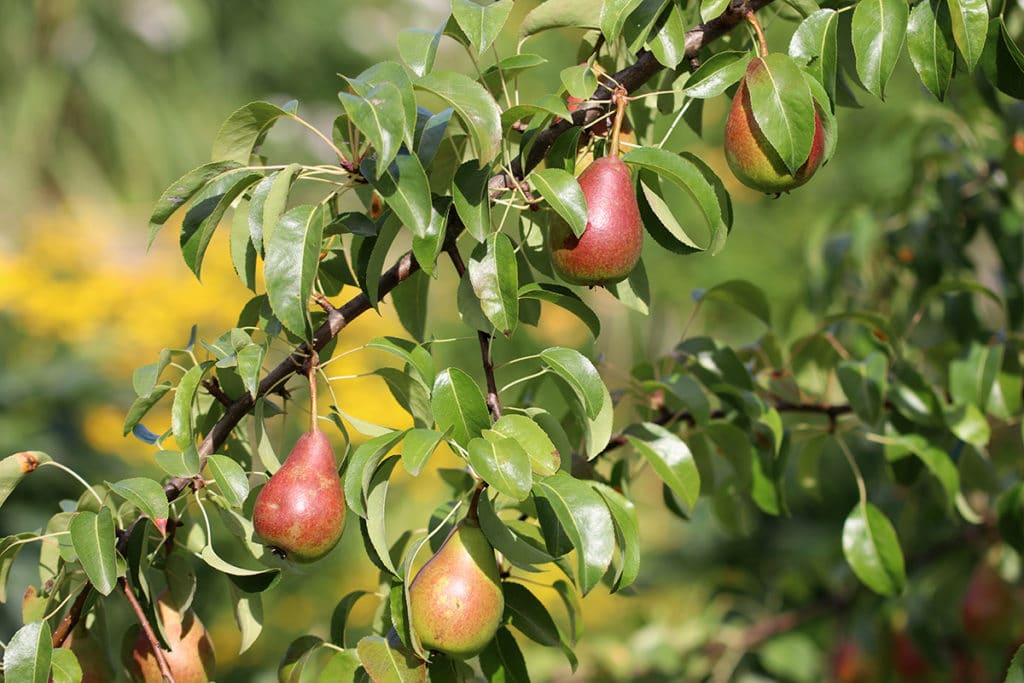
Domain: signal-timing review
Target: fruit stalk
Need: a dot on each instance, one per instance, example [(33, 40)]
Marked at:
[(620, 101), (314, 363), (762, 42)]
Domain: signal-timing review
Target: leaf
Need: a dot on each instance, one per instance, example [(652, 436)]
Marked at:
[(971, 378), (935, 458), (613, 17), (243, 253), (865, 385), (878, 27), (814, 46), (248, 609), (782, 105), (65, 667), (579, 80), (269, 201), (469, 195), (405, 189), (289, 270), (459, 405), (182, 190), (249, 580), (553, 14), (716, 74), (481, 23), (1015, 674), (580, 374), (230, 477), (475, 107), (970, 27), (711, 9), (28, 654), (670, 457), (418, 48), (361, 466), (564, 194), (1002, 60), (376, 511), (873, 551), (586, 520), (15, 467), (627, 533), (390, 73), (495, 278), (742, 294), (969, 424), (387, 661), (339, 617), (412, 353), (417, 446), (411, 303), (1010, 516), (930, 44), (206, 211), (505, 539), (529, 615), (502, 463), (502, 659), (145, 494), (92, 535), (544, 457), (687, 171), (10, 546), (564, 297), (243, 130), (181, 409), (380, 115)]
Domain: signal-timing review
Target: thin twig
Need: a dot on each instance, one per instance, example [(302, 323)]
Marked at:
[(147, 628)]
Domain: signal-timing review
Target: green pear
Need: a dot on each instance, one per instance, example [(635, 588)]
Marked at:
[(191, 658), (456, 603), (753, 160), (300, 513), (610, 246)]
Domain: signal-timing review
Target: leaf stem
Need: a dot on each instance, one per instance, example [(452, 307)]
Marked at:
[(862, 489), (83, 482)]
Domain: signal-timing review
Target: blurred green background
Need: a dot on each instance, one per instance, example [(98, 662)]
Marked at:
[(104, 103)]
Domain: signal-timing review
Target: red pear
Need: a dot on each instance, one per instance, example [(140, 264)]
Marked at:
[(300, 513), (609, 247)]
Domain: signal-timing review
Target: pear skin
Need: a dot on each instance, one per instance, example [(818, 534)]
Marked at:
[(300, 513), (753, 160), (456, 599), (92, 657), (191, 657), (610, 246)]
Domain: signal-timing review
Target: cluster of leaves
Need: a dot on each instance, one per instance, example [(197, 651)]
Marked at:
[(728, 424)]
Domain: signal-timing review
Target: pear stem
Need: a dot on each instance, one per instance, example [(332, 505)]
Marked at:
[(762, 42), (314, 363), (619, 98), (471, 514)]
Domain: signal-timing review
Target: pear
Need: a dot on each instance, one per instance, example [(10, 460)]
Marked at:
[(609, 247), (91, 656), (300, 513), (191, 658), (753, 160), (456, 603), (988, 604)]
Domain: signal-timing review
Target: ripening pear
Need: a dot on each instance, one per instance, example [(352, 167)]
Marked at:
[(988, 604), (753, 160), (300, 513), (191, 658), (91, 656), (609, 247), (456, 603)]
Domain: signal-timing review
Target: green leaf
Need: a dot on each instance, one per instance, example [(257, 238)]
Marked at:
[(585, 518), (627, 533), (411, 302), (248, 610), (386, 660), (613, 18), (502, 463), (244, 130), (742, 294), (390, 73), (554, 14), (1002, 60), (410, 352), (458, 405), (1010, 516), (92, 535), (28, 654), (205, 212), (971, 378), (782, 105), (502, 660), (183, 463), (481, 23), (687, 171), (494, 275), (230, 477), (873, 550), (935, 458), (405, 189), (564, 194), (250, 366), (475, 107), (469, 195), (65, 666), (293, 256), (544, 457), (562, 296), (418, 48), (598, 431), (580, 374), (143, 493), (269, 201), (716, 74), (181, 410), (865, 385), (508, 541), (376, 512), (380, 115), (182, 190), (930, 44), (969, 424), (670, 457), (339, 617), (14, 467), (10, 546), (879, 27), (529, 615), (1015, 674), (579, 80), (635, 291), (814, 46), (970, 28), (361, 466), (417, 446), (913, 397), (243, 253)]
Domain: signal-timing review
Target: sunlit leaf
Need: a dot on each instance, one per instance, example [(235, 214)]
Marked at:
[(873, 551), (879, 27), (293, 256), (475, 107), (92, 535)]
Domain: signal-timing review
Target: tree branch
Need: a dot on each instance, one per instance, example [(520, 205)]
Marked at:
[(147, 628)]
